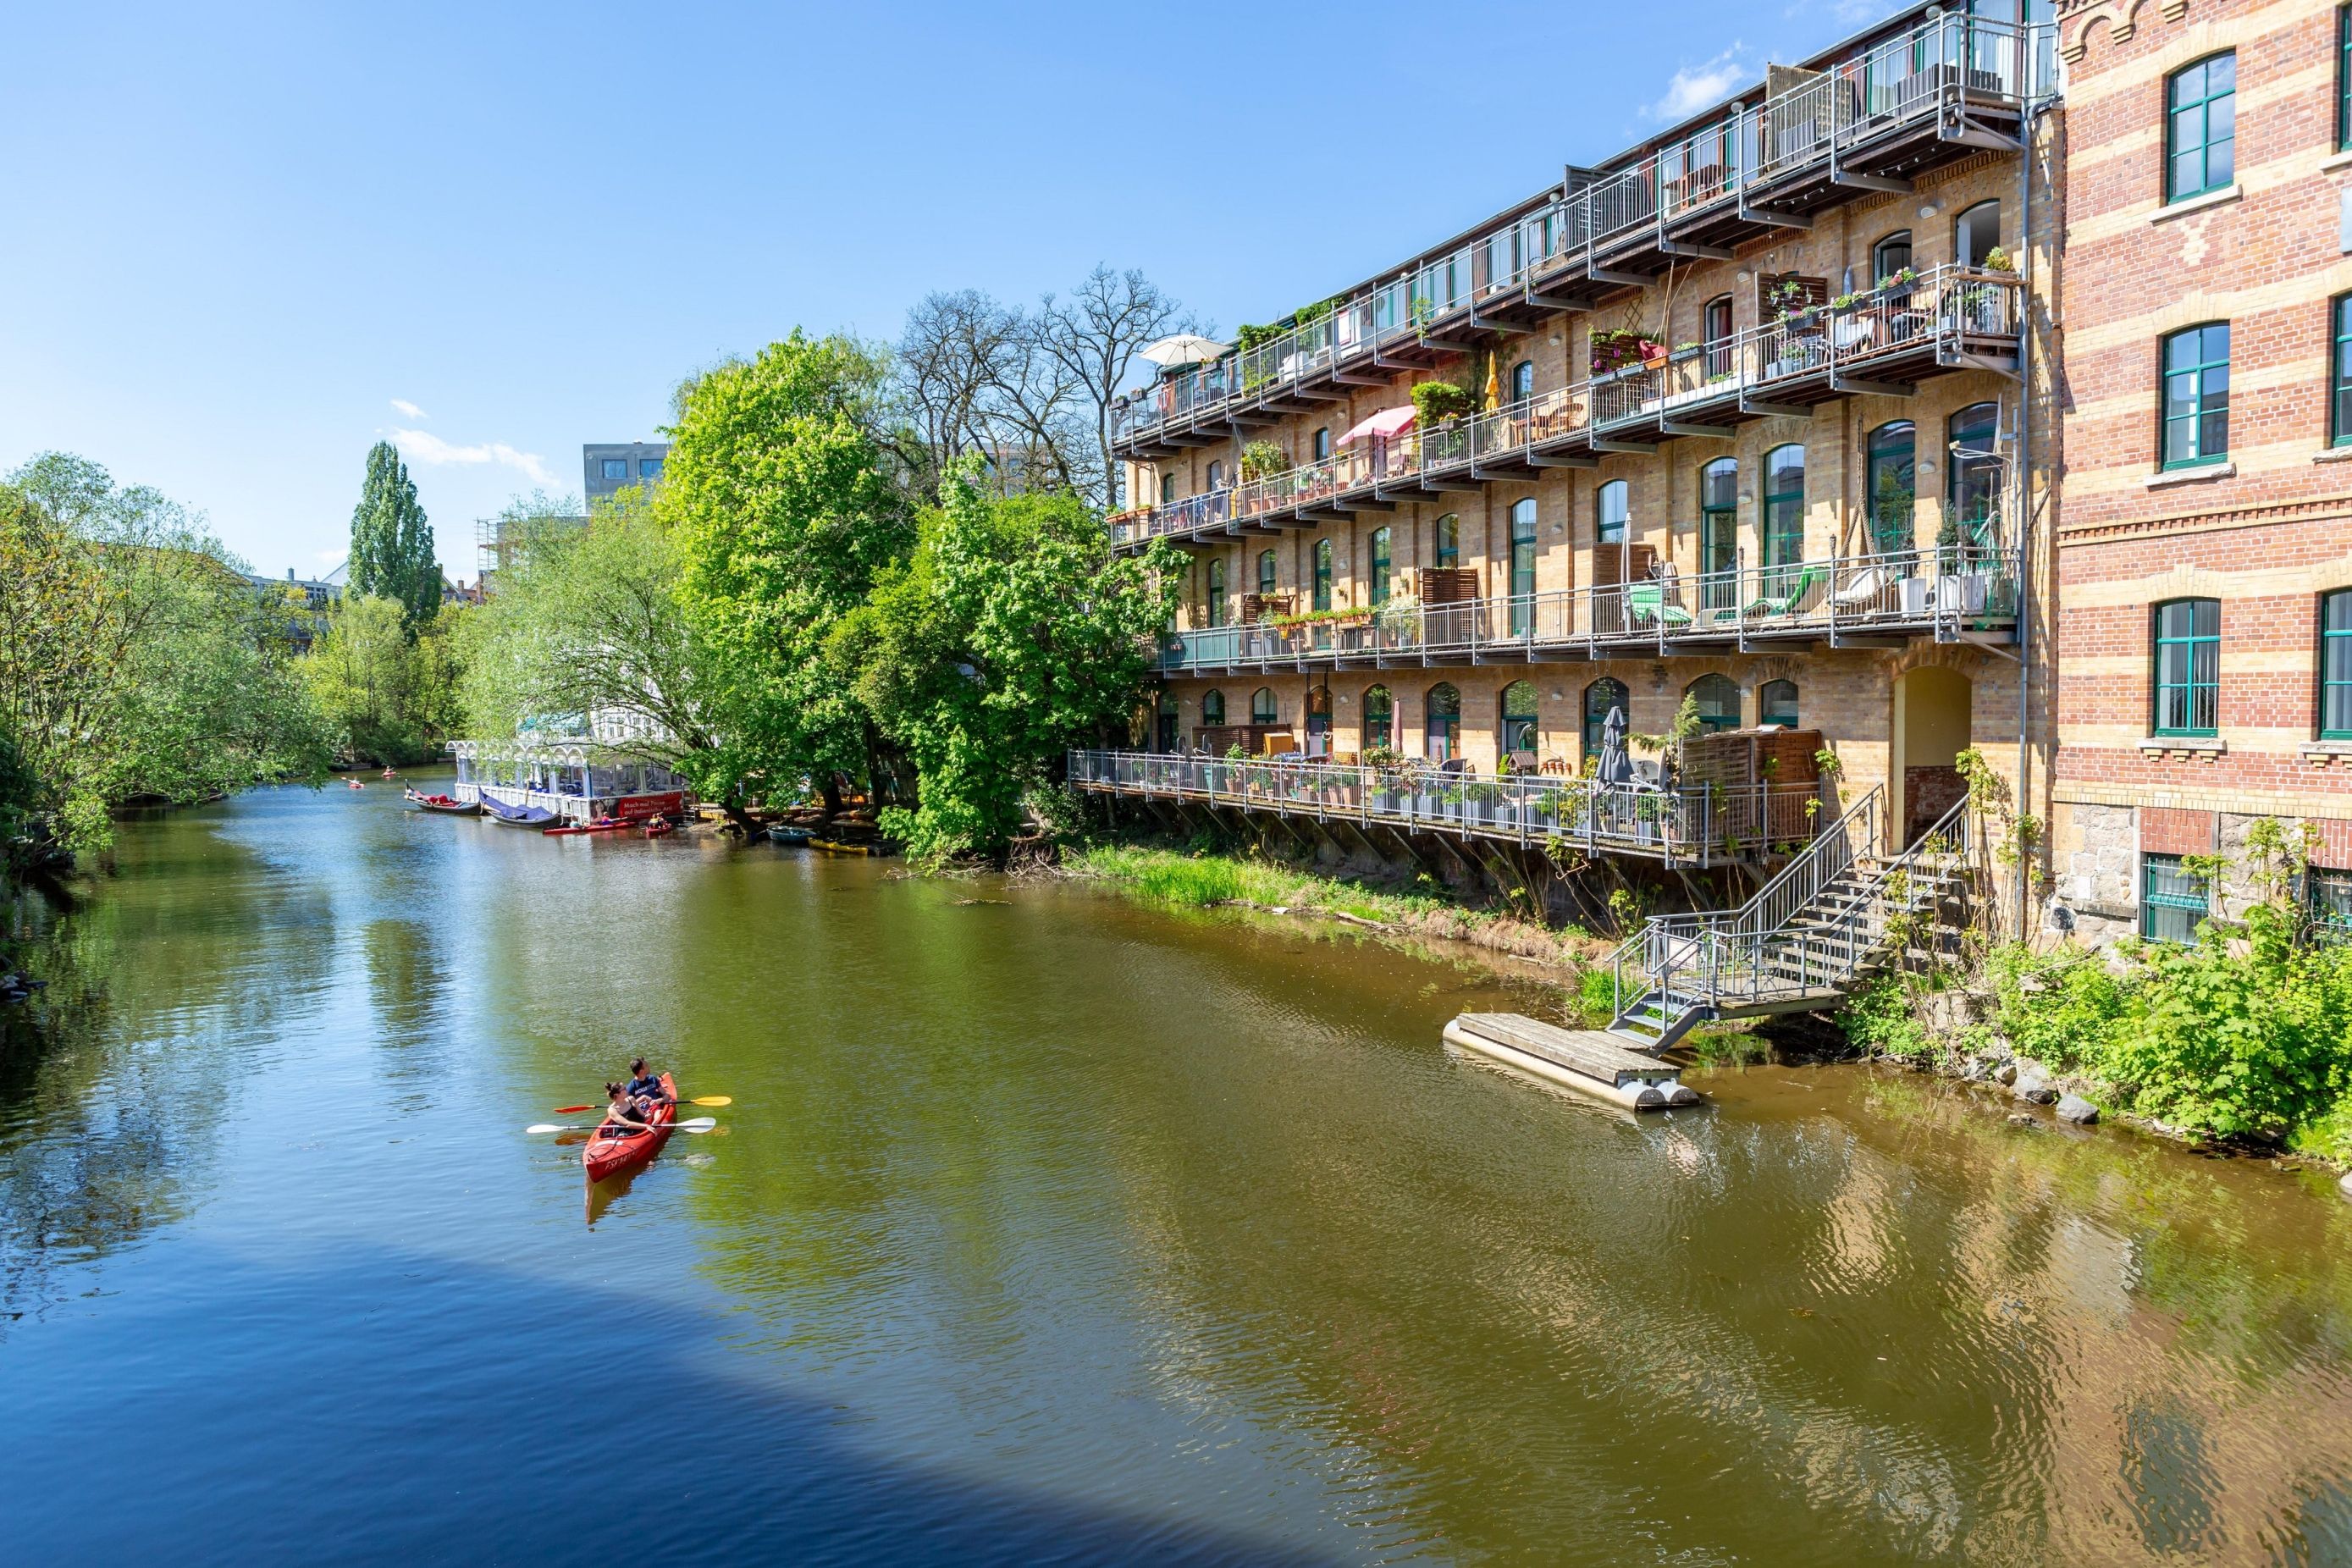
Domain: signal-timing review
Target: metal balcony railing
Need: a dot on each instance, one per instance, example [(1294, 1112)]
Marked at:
[(1947, 65), (1941, 591), (1701, 825)]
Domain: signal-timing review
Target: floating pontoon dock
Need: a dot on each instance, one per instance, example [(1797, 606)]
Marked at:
[(1591, 1061)]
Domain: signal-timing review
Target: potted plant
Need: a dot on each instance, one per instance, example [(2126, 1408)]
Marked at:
[(1686, 349), (1264, 459)]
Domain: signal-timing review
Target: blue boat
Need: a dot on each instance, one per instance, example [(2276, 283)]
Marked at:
[(780, 833), (532, 816)]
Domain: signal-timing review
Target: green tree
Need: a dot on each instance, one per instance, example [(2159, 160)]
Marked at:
[(778, 494), (1012, 635), (591, 621), (389, 690), (393, 555)]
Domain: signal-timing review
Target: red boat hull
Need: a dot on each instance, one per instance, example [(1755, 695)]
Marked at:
[(610, 1156)]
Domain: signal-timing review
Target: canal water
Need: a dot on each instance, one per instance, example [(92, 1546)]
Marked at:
[(1049, 1228)]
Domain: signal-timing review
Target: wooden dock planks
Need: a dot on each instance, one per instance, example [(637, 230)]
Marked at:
[(1591, 1060)]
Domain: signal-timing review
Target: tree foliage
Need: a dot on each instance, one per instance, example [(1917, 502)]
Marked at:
[(1011, 636), (592, 621), (137, 661), (780, 496), (388, 690), (392, 555), (1097, 334)]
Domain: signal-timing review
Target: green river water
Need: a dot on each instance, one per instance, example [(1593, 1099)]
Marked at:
[(1049, 1227)]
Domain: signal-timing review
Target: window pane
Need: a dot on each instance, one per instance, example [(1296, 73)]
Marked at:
[(2188, 85), (2221, 74)]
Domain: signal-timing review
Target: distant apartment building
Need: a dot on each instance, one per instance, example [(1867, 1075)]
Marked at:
[(605, 468)]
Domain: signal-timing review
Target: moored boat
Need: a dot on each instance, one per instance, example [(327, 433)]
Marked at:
[(786, 833), (610, 1156), (537, 817), (448, 805), (601, 825)]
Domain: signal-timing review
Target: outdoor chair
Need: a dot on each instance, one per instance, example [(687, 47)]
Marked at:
[(1786, 604), (1646, 603), (1862, 593)]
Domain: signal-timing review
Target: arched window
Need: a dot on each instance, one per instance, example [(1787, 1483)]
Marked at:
[(1717, 337), (1266, 573), (1449, 540), (1518, 730), (1212, 709), (1167, 488), (1262, 708), (1318, 721), (1970, 524), (1609, 513), (2196, 406), (1523, 566), (1217, 593), (1776, 704), (2200, 127), (1718, 702), (1379, 720), (1602, 696), (1784, 505), (1718, 534), (1322, 442), (2336, 666), (1890, 256), (2188, 666), (1890, 482), (1164, 740), (1976, 232), (1322, 574), (1381, 566), (1523, 381), (1216, 475), (1443, 731)]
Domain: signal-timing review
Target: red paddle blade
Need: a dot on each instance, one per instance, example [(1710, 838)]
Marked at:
[(572, 1110)]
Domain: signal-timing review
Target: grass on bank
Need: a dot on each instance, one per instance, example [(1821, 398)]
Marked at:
[(1205, 882)]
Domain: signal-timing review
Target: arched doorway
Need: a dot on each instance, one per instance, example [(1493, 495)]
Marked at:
[(1599, 697), (1442, 730), (1318, 721), (1165, 740), (1518, 727), (1931, 730), (1380, 719)]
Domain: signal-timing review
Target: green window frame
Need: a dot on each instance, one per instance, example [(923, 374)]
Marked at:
[(1380, 567), (2344, 77), (2187, 668), (1216, 593), (1521, 727), (2336, 666), (1264, 713), (1609, 513), (1891, 478), (2327, 898), (1776, 703), (1442, 725), (1322, 446), (2200, 127), (1718, 702), (1784, 505), (1718, 534), (1523, 566), (2340, 379), (1449, 540), (1380, 719), (2172, 901), (2195, 396), (1266, 573), (1212, 709), (1599, 697), (1322, 574), (1523, 381)]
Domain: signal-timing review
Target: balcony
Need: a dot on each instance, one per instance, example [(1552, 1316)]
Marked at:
[(1950, 319), (1957, 593), (1939, 90), (1698, 825)]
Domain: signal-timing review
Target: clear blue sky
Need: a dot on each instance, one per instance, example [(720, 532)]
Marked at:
[(238, 233)]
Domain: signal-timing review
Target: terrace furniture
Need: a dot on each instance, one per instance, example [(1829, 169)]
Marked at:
[(1862, 591), (1786, 604), (1646, 602)]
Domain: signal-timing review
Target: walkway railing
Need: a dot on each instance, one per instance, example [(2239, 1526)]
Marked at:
[(1700, 825), (1937, 73), (1941, 591)]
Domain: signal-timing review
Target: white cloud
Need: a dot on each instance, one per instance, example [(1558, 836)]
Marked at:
[(1695, 88), (409, 409), (423, 447)]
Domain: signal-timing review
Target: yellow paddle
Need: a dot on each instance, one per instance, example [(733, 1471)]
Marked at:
[(710, 1100)]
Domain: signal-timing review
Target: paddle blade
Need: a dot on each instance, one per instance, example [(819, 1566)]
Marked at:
[(545, 1126), (572, 1110), (712, 1099), (698, 1124)]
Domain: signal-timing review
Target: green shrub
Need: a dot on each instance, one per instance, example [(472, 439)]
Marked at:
[(1880, 1016), (1596, 995), (1435, 401)]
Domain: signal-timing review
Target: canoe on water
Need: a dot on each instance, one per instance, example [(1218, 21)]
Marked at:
[(601, 825), (610, 1156), (446, 805)]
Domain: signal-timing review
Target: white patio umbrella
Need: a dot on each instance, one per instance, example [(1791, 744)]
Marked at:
[(1184, 348)]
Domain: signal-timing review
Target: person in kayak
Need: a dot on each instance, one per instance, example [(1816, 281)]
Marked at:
[(624, 1118), (645, 1086)]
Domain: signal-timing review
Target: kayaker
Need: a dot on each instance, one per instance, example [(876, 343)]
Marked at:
[(644, 1084), (623, 1118)]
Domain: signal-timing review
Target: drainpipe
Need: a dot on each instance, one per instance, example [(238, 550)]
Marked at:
[(2029, 127)]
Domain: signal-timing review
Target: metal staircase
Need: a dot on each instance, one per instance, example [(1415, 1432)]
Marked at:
[(1832, 915)]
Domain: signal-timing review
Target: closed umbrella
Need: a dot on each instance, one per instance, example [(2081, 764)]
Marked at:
[(1615, 767)]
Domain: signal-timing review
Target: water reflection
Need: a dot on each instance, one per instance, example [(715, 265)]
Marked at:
[(1118, 1216)]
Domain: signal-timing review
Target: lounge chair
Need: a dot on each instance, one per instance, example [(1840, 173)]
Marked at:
[(1786, 604), (1863, 590), (1647, 602)]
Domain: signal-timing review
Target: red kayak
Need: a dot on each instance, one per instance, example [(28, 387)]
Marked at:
[(601, 825), (610, 1156)]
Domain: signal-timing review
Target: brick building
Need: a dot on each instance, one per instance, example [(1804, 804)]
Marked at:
[(2204, 559), (1747, 418)]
